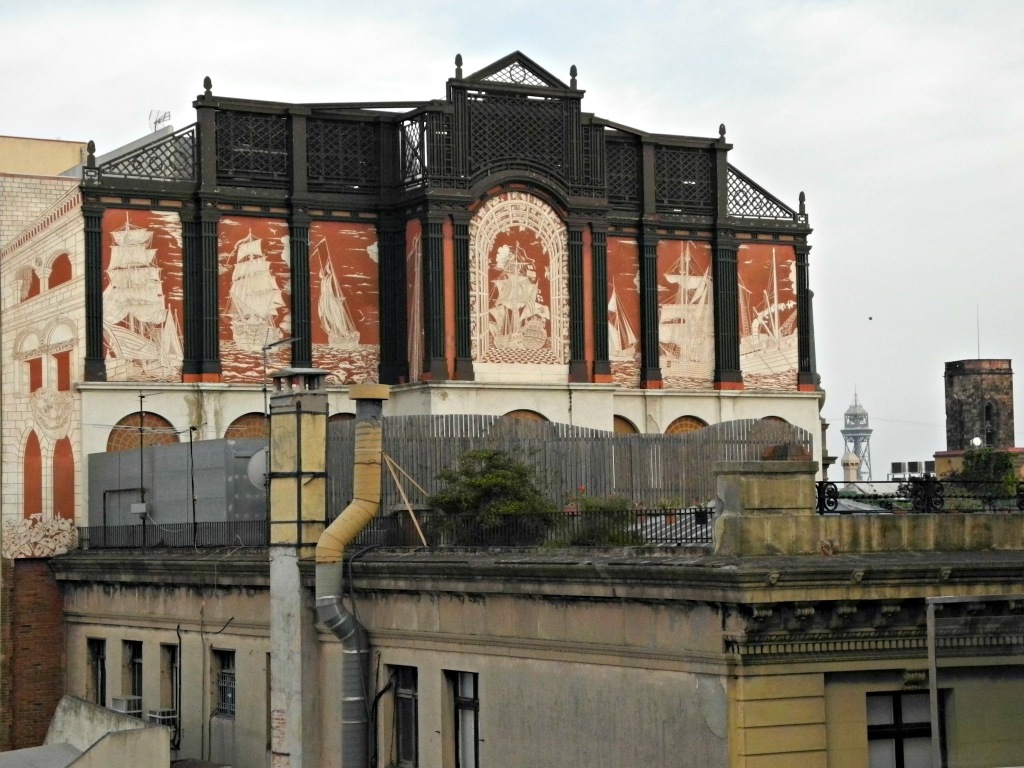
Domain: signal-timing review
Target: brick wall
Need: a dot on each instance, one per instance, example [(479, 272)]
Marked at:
[(37, 664), (6, 590), (24, 198)]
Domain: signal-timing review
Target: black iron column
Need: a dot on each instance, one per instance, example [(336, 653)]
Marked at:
[(650, 364), (434, 362), (725, 278), (209, 320), (727, 312), (463, 342), (95, 369), (394, 365), (298, 231), (805, 342), (599, 270), (192, 303), (577, 328)]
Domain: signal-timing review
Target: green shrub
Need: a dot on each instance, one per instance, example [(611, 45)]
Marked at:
[(491, 498)]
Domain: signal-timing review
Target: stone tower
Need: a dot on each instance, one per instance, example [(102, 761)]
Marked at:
[(979, 404), (857, 435)]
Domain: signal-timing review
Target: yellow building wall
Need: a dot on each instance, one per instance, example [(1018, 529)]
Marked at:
[(44, 157), (778, 721)]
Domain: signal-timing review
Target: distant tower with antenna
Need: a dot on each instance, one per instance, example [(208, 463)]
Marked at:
[(857, 434)]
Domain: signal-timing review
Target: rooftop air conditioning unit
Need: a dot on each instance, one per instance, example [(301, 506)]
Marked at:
[(899, 467), (929, 466), (913, 466), (127, 705), (168, 717)]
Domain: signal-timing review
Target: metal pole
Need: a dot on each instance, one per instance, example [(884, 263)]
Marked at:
[(933, 687)]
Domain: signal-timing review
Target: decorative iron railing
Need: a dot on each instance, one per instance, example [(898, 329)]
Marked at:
[(169, 158), (645, 527), (924, 494), (749, 200)]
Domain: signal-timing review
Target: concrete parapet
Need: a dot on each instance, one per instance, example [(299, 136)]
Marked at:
[(768, 508)]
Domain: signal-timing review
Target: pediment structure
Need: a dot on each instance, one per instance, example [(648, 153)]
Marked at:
[(516, 69)]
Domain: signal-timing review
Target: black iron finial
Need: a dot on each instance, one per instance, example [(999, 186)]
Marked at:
[(458, 66), (207, 85), (803, 199), (721, 131), (90, 154), (572, 76)]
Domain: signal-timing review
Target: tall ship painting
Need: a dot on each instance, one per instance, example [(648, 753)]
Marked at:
[(622, 340), (254, 297), (767, 328), (518, 316), (337, 322), (140, 329), (686, 332)]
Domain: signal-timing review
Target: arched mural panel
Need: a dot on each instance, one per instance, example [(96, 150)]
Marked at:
[(518, 254)]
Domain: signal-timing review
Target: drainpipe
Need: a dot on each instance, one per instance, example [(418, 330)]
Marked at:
[(330, 570)]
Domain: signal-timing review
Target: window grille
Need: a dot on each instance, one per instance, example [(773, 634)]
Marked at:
[(224, 669)]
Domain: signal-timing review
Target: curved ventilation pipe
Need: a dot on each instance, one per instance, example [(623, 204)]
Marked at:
[(330, 549)]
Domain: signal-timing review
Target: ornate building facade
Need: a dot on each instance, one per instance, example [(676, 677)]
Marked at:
[(496, 250)]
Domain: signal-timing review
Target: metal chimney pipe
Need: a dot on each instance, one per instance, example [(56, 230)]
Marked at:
[(330, 550)]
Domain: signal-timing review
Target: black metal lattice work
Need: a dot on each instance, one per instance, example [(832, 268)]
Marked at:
[(530, 130), (515, 74), (749, 201), (252, 149), (623, 160), (684, 179), (171, 158), (343, 154), (441, 145), (413, 159)]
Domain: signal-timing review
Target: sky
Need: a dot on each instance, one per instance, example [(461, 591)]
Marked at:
[(902, 121)]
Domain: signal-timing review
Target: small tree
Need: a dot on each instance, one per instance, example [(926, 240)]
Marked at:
[(986, 475), (601, 521), (491, 498)]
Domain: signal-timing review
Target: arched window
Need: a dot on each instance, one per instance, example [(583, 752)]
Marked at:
[(63, 480), (29, 283), (249, 425), (623, 426), (156, 430), (60, 271), (525, 415), (685, 424), (33, 477), (337, 418)]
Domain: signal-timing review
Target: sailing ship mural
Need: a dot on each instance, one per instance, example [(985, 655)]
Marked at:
[(142, 295), (686, 325), (767, 302), (344, 296), (623, 256), (255, 291), (518, 255)]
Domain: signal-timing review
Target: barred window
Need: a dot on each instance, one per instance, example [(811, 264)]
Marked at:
[(224, 682)]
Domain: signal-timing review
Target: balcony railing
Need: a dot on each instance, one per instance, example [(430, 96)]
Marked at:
[(659, 527), (923, 494)]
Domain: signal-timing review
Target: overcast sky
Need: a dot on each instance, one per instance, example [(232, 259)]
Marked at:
[(902, 121)]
